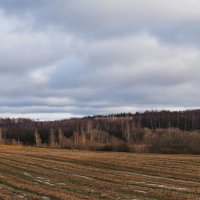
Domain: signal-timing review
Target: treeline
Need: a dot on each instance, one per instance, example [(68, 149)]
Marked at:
[(151, 131), (184, 120), (23, 131)]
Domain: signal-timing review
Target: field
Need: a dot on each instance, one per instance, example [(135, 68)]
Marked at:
[(34, 173)]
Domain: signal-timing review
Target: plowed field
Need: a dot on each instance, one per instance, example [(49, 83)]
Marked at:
[(48, 174)]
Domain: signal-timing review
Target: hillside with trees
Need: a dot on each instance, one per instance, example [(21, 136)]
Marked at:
[(150, 131)]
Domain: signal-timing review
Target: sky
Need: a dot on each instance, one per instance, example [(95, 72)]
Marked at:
[(71, 58)]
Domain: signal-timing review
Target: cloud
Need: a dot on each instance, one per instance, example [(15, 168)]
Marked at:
[(97, 18), (23, 49), (39, 116), (89, 57)]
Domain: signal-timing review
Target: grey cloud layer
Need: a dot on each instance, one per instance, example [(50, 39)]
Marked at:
[(99, 18), (93, 56)]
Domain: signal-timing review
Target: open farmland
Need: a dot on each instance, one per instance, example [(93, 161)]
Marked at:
[(33, 173)]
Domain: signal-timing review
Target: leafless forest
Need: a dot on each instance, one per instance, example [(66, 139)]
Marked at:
[(154, 131)]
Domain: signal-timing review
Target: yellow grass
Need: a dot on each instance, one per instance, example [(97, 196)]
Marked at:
[(38, 173)]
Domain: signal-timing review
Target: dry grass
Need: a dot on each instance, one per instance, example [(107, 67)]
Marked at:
[(33, 173)]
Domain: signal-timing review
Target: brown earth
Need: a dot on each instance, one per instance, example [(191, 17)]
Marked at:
[(48, 174)]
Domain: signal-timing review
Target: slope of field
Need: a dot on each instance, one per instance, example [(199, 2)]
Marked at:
[(33, 173)]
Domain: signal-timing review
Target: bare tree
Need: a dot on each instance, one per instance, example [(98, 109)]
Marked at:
[(83, 138), (61, 138), (76, 138), (89, 132), (126, 130), (38, 140), (52, 139), (1, 136)]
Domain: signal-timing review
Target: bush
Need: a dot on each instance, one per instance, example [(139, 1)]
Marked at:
[(173, 141)]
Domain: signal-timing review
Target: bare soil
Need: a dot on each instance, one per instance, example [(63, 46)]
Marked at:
[(51, 174)]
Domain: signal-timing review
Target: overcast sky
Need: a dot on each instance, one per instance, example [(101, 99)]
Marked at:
[(62, 58)]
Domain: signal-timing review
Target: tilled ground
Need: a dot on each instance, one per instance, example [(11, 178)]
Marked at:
[(48, 174)]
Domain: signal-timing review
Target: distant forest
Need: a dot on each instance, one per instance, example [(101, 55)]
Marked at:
[(150, 131)]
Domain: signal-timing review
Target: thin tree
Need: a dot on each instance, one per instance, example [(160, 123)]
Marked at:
[(83, 138), (52, 139), (76, 138), (38, 140), (61, 138), (1, 136), (89, 132), (126, 130)]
